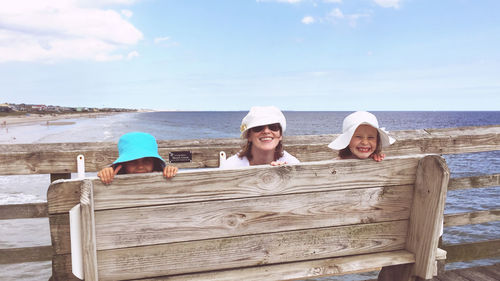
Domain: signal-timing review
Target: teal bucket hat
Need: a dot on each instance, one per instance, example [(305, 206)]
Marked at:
[(136, 145)]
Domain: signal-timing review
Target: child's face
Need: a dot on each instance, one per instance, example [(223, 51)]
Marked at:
[(141, 165), (364, 141)]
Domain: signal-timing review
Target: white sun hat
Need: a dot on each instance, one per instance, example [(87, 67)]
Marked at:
[(352, 122), (262, 115)]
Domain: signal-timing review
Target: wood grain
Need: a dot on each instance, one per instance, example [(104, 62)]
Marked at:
[(241, 251), (128, 227), (61, 157), (427, 213)]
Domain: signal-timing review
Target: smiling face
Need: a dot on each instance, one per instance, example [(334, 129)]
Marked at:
[(139, 166), (364, 141), (265, 139)]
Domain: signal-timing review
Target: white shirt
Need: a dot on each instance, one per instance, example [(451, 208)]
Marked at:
[(237, 162)]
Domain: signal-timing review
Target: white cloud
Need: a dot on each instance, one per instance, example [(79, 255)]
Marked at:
[(388, 3), (53, 30), (308, 20), (281, 1), (127, 13), (132, 55), (332, 1), (337, 15), (161, 39)]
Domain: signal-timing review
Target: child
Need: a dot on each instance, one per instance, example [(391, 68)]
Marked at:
[(361, 138), (138, 153)]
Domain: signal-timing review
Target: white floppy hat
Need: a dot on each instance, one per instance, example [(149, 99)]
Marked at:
[(352, 122), (262, 115)]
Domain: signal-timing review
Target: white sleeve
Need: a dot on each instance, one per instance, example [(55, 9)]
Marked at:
[(235, 162), (288, 158)]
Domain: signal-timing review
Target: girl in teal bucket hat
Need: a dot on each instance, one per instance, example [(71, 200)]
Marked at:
[(138, 153)]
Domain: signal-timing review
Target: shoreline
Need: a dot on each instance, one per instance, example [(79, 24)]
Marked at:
[(48, 119)]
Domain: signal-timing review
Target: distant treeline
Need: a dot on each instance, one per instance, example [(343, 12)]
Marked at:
[(41, 108)]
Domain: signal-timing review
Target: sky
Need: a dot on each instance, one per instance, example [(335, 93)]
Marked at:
[(333, 55)]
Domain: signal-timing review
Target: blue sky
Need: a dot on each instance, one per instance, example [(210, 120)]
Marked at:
[(231, 55)]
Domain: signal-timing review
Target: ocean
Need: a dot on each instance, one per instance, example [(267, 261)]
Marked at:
[(217, 124)]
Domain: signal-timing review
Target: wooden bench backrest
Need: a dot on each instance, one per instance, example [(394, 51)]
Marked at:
[(252, 223)]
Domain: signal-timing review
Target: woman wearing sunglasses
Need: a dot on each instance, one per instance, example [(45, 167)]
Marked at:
[(263, 127)]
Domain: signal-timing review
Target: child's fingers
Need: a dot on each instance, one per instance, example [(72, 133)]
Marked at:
[(106, 175), (118, 168), (170, 171)]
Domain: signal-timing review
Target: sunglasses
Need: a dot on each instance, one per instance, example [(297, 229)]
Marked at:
[(273, 127)]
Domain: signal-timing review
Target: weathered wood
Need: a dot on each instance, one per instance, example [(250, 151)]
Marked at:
[(90, 267), (427, 213), (23, 211), (300, 270), (254, 181), (240, 251), (60, 233), (309, 177), (61, 268), (475, 275), (474, 182), (27, 254), (61, 200), (471, 218), (213, 219), (61, 157), (243, 218), (472, 251), (39, 210)]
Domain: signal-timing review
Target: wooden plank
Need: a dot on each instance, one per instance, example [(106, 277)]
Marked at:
[(472, 251), (27, 254), (474, 275), (224, 253), (471, 218), (63, 195), (465, 139), (127, 189), (61, 268), (219, 184), (300, 270), (60, 157), (493, 271), (23, 211), (130, 227), (59, 233), (474, 182), (427, 213), (88, 232), (452, 276)]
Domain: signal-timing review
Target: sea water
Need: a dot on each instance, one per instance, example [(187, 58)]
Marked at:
[(197, 125)]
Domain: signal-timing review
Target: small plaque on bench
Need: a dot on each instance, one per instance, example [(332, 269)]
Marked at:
[(180, 157)]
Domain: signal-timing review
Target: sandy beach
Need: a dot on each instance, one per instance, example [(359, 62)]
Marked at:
[(49, 119)]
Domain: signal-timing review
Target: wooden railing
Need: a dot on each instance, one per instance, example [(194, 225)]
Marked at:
[(59, 160)]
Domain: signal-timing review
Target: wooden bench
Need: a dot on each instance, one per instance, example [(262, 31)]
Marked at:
[(261, 223)]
